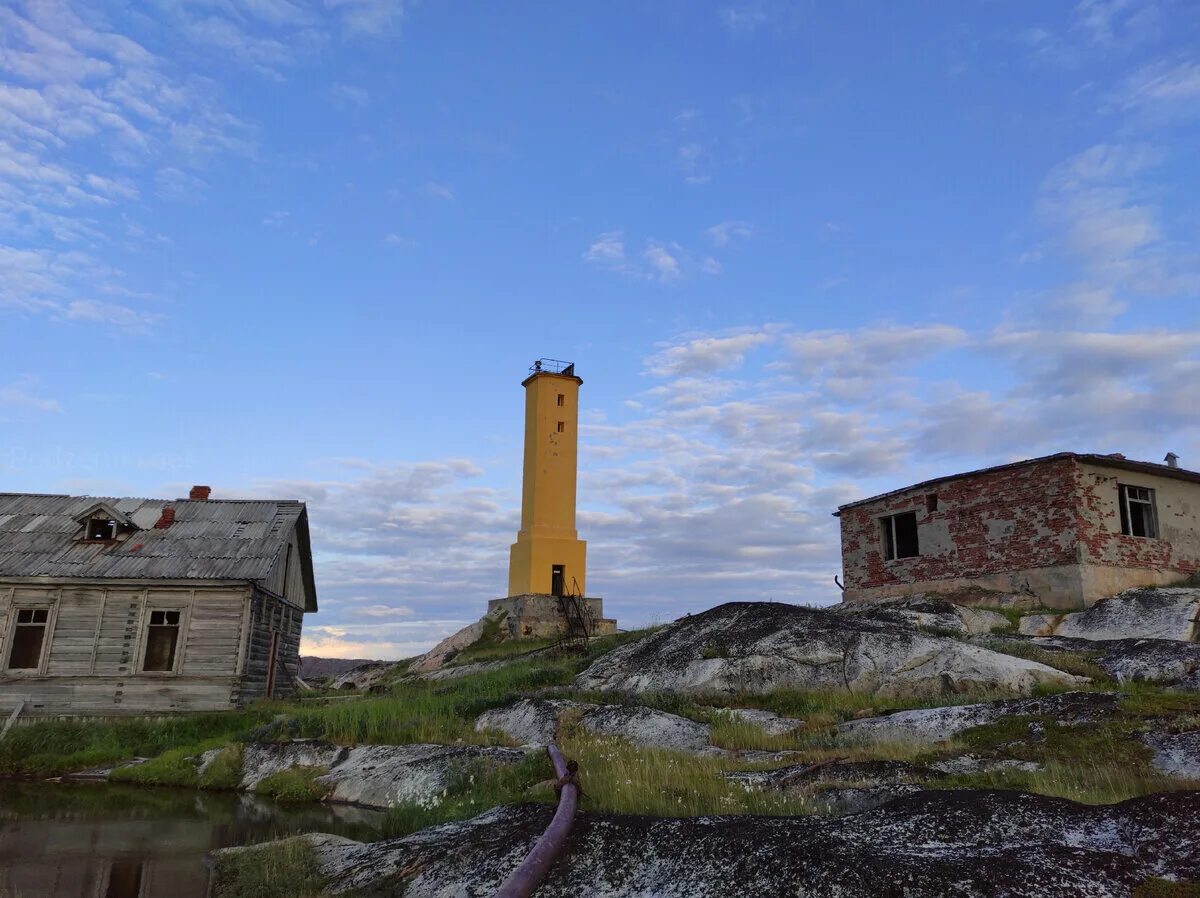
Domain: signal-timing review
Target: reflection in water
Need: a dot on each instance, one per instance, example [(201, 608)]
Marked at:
[(100, 841)]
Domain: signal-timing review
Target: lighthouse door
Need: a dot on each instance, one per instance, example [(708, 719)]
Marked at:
[(557, 578)]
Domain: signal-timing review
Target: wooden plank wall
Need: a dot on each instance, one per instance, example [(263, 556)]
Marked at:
[(97, 634), (268, 614)]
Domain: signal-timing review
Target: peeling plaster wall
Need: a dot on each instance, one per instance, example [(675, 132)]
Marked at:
[(1011, 531), (1050, 532), (1114, 561)]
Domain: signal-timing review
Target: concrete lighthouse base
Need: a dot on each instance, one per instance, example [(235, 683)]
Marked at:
[(539, 616)]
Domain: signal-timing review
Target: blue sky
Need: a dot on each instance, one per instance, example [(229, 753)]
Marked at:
[(800, 252)]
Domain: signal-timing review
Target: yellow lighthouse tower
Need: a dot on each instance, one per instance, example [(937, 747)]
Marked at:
[(548, 557)]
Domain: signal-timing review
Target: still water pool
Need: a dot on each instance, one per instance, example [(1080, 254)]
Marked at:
[(108, 841)]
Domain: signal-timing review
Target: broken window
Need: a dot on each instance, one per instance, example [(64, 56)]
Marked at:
[(162, 637), (931, 504), (100, 529), (1138, 517), (900, 536), (29, 636)]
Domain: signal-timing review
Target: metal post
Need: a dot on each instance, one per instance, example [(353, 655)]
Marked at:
[(522, 882)]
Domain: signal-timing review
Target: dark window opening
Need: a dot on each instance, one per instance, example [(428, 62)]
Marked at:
[(557, 580), (29, 635), (101, 529), (900, 536), (161, 639), (1138, 516), (931, 502), (562, 399), (562, 425), (124, 879)]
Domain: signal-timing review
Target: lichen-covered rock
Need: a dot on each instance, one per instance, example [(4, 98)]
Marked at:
[(1160, 613), (807, 777), (938, 724), (377, 776), (1167, 662), (535, 721), (449, 647), (363, 677), (930, 613), (767, 721), (762, 646), (926, 844), (1176, 754)]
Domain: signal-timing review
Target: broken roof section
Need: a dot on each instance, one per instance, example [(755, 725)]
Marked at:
[(215, 539), (1108, 461)]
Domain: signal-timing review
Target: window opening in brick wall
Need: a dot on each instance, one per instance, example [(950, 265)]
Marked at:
[(931, 502), (1138, 517), (29, 637), (162, 637), (562, 400), (900, 536)]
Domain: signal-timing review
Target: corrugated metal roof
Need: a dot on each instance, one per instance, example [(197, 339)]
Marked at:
[(1106, 461), (212, 539)]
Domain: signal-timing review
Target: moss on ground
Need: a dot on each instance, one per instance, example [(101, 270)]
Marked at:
[(294, 784), (286, 869)]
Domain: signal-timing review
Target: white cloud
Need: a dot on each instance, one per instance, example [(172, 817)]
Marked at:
[(725, 233), (24, 394), (663, 265), (439, 191), (607, 249), (348, 95)]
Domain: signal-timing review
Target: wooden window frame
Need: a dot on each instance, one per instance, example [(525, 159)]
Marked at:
[(888, 541), (184, 607), (1126, 509), (51, 609)]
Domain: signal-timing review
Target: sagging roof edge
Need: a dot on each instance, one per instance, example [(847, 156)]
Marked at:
[(1104, 461)]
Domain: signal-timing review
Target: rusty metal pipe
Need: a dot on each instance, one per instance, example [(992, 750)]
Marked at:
[(522, 882)]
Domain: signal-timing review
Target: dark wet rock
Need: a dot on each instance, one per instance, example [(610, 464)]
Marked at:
[(929, 843), (939, 724), (848, 773), (1176, 754), (762, 646), (971, 764), (1160, 613), (535, 722), (839, 801), (930, 613)]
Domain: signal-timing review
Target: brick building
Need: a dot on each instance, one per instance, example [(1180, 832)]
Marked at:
[(1062, 530)]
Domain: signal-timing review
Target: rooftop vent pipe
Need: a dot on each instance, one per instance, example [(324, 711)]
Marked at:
[(1172, 460)]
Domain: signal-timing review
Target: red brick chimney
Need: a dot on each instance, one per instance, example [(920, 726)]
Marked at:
[(200, 492), (167, 519)]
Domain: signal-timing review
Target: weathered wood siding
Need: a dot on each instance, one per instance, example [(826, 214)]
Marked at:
[(96, 645), (270, 614)]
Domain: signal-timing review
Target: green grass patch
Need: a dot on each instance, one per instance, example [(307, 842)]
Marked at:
[(294, 784), (1165, 888), (1081, 664), (286, 869), (53, 747)]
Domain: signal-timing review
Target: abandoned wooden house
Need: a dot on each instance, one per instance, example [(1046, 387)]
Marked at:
[(147, 606)]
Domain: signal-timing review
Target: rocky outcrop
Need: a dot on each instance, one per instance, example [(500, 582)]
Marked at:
[(926, 844), (449, 647), (1175, 754), (363, 677), (377, 776), (767, 721), (1162, 613), (930, 725), (929, 613), (762, 646), (1167, 662), (535, 722)]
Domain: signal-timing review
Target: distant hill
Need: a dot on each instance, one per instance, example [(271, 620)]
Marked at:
[(318, 668)]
